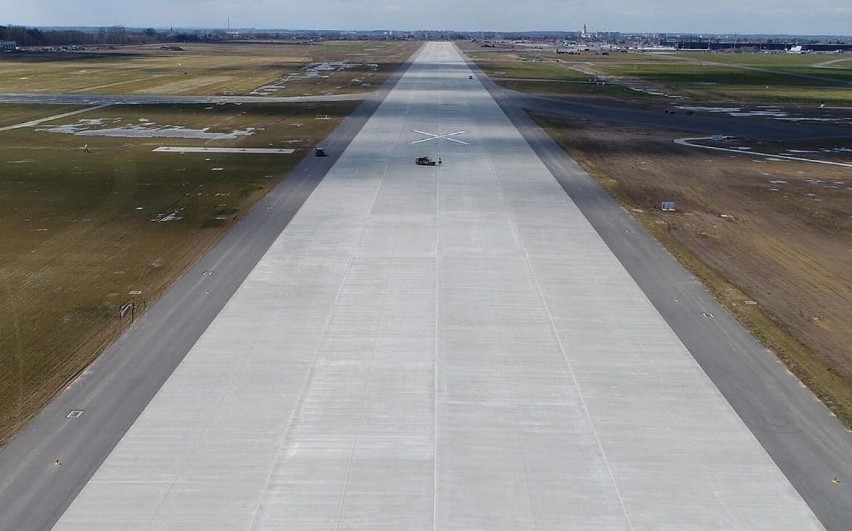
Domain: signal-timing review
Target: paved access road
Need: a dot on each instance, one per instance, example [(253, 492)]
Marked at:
[(116, 388), (448, 346)]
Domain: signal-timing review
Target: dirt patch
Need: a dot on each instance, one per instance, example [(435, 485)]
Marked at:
[(774, 233)]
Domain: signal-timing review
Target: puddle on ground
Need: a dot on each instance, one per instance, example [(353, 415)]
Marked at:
[(766, 112), (145, 128), (91, 121), (652, 92), (311, 71), (174, 215)]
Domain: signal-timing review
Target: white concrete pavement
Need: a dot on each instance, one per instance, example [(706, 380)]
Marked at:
[(439, 347)]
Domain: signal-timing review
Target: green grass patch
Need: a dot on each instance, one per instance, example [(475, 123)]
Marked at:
[(520, 67), (676, 74), (698, 76), (606, 91), (768, 60)]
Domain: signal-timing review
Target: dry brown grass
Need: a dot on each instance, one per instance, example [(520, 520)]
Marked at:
[(204, 69), (76, 236)]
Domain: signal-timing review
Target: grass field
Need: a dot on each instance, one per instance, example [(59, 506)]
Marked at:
[(771, 240), (698, 76), (207, 69), (757, 78), (608, 91), (540, 73), (76, 227)]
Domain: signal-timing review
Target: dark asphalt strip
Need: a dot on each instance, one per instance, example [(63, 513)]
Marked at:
[(759, 128)]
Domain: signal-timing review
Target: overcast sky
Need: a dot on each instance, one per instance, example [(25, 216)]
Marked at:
[(707, 16)]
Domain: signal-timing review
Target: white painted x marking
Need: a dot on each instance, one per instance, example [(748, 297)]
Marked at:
[(433, 136)]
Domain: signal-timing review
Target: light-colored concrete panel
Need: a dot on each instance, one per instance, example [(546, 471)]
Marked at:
[(447, 347)]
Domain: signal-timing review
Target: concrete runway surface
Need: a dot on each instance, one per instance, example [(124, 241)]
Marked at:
[(457, 346), (448, 346)]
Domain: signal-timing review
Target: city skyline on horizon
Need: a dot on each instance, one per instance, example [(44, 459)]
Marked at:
[(724, 17)]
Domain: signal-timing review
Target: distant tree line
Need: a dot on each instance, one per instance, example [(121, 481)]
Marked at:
[(117, 35), (24, 36)]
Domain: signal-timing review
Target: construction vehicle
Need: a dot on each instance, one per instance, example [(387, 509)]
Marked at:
[(424, 161)]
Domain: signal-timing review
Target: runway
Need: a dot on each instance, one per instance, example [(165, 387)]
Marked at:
[(449, 346)]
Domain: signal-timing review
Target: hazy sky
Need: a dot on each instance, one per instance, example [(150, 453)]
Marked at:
[(709, 16)]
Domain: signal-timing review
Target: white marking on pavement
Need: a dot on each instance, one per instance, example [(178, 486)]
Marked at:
[(688, 142), (433, 136)]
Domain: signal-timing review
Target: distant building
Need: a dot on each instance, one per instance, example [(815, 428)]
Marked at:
[(8, 46)]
